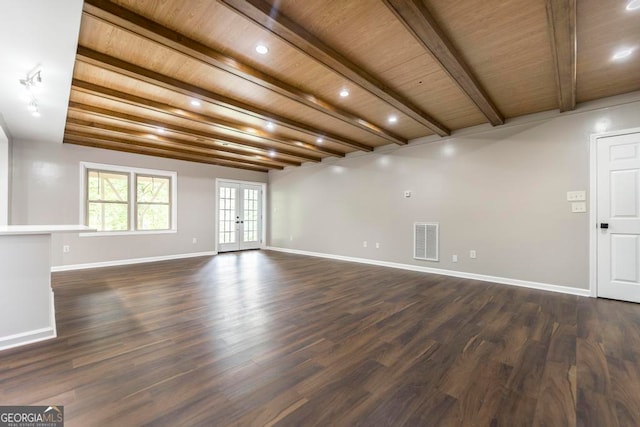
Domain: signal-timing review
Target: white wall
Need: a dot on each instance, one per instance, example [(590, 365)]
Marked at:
[(46, 191), (5, 174), (500, 191)]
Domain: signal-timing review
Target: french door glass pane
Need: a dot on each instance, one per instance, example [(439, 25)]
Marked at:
[(250, 199), (227, 215)]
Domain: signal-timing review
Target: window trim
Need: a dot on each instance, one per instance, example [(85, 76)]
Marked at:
[(133, 172)]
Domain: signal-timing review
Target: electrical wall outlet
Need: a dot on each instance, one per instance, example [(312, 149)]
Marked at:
[(407, 193), (472, 253), (364, 244), (454, 258), (195, 240), (578, 207), (377, 245), (66, 249)]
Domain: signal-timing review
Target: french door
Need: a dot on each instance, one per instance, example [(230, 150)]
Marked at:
[(239, 216), (618, 214)]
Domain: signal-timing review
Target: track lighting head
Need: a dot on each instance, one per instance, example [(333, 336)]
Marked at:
[(33, 79)]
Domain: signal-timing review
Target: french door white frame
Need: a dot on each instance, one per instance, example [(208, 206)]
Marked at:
[(593, 205), (263, 212)]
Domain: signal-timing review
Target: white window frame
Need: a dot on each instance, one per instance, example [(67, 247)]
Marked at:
[(132, 172)]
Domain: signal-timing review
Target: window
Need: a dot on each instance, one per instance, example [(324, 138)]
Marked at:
[(107, 200), (125, 200), (153, 204)]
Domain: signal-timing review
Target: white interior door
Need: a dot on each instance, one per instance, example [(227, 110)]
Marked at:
[(618, 201), (239, 216)]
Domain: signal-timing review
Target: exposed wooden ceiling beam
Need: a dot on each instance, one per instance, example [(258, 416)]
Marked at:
[(170, 147), (128, 69), (561, 18), (157, 152), (414, 15), (179, 144), (215, 122), (123, 18), (268, 16), (130, 118)]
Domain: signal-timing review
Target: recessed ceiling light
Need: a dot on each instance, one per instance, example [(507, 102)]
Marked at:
[(262, 49), (272, 153), (270, 126), (622, 53), (160, 130), (344, 93), (392, 119), (195, 103), (633, 5), (319, 140)]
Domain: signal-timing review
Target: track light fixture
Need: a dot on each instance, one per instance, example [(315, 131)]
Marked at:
[(33, 79)]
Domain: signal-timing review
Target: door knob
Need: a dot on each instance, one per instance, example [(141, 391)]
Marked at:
[(604, 225)]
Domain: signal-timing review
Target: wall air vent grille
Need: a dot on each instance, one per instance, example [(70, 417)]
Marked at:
[(425, 241)]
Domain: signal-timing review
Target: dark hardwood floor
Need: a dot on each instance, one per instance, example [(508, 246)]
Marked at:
[(265, 338)]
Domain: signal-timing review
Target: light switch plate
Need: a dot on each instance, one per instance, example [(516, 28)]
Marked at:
[(576, 196), (578, 207)]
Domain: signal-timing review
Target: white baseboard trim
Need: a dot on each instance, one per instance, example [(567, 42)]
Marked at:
[(70, 267), (24, 338), (461, 274)]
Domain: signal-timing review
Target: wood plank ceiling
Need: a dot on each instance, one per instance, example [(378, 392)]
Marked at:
[(182, 79)]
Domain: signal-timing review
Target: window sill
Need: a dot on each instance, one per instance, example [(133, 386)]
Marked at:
[(126, 233)]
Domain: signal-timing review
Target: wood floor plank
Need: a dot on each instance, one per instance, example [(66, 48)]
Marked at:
[(516, 410), (592, 366), (595, 410), (625, 379), (557, 400), (527, 372), (267, 338)]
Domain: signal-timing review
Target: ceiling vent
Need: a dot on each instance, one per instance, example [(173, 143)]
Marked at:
[(425, 241)]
